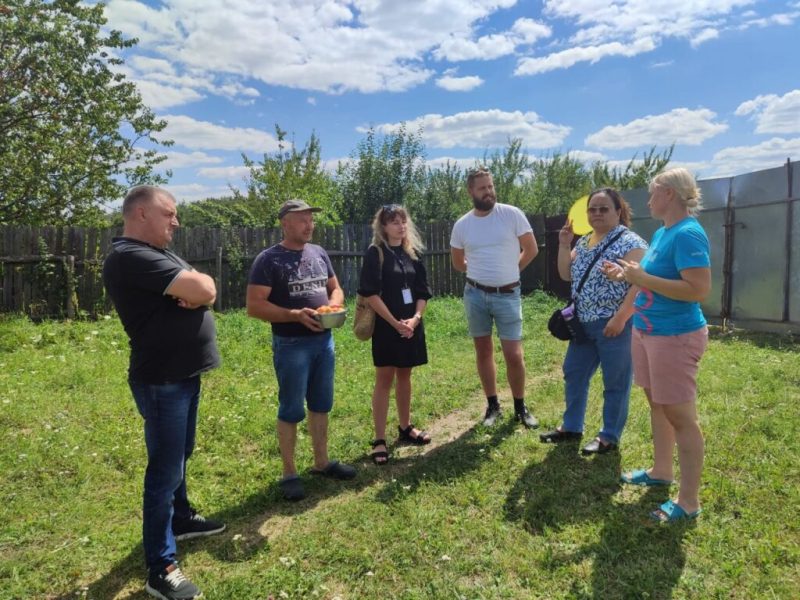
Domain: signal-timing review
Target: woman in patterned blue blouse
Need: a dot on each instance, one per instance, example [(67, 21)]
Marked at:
[(604, 309)]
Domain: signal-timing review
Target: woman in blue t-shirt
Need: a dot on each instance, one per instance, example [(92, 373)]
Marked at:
[(604, 309), (670, 336)]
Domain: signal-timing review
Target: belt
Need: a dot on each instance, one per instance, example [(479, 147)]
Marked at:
[(495, 289)]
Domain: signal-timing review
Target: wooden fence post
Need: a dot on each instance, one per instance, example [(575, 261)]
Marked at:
[(218, 301), (69, 270)]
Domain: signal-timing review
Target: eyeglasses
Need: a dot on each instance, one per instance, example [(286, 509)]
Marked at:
[(601, 210)]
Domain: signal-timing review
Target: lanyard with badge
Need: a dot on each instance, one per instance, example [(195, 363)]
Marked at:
[(406, 291)]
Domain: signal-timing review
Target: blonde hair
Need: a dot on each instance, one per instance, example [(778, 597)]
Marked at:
[(412, 243), (683, 183)]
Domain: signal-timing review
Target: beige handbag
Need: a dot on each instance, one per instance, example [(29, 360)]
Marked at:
[(364, 319)]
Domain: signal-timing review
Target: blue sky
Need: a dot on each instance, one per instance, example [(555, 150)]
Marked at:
[(602, 79)]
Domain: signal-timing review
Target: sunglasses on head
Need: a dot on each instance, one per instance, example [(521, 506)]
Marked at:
[(598, 210)]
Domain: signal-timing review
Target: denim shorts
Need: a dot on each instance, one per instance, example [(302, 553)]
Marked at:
[(304, 367), (483, 308)]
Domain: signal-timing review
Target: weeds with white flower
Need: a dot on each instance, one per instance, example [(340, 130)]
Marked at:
[(287, 561)]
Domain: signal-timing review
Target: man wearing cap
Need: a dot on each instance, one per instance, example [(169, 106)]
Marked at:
[(287, 283), (491, 244)]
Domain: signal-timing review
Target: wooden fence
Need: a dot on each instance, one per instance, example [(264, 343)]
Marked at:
[(56, 271)]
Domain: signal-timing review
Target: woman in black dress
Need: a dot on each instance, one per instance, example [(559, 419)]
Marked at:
[(394, 281)]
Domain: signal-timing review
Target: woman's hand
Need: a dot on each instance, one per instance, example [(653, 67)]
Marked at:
[(614, 326), (566, 234), (632, 271), (405, 329), (612, 271), (412, 324)]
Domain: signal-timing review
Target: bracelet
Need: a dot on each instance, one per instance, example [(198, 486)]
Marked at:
[(418, 316)]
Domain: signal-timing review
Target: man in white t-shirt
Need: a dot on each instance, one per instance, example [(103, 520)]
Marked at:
[(491, 244)]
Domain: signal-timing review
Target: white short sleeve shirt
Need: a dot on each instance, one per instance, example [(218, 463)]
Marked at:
[(491, 244)]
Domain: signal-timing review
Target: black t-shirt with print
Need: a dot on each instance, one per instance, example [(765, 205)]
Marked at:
[(168, 343), (298, 278)]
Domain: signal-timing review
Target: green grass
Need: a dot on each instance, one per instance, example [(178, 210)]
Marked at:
[(481, 514)]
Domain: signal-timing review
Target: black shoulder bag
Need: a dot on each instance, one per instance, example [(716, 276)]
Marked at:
[(564, 323)]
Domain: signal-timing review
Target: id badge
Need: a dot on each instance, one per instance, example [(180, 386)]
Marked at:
[(407, 299)]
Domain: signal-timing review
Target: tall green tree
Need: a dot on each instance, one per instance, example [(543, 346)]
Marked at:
[(444, 196), (70, 127), (217, 212), (636, 174), (555, 182), (510, 168), (383, 170), (288, 173)]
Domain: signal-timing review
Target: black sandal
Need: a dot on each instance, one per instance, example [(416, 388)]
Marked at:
[(419, 440), (379, 454)]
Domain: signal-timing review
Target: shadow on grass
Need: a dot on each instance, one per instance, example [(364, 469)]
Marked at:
[(633, 557), (446, 462), (771, 341), (243, 538)]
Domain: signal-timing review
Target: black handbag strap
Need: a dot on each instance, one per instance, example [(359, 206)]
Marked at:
[(594, 260)]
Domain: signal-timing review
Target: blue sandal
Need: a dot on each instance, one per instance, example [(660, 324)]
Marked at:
[(669, 512), (640, 477)]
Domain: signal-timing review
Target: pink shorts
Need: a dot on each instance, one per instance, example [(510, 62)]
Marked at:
[(667, 364)]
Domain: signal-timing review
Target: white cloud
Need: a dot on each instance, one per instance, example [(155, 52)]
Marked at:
[(530, 31), (774, 114), (324, 45), (488, 47), (661, 65), (459, 84), (567, 58), (157, 95), (191, 192), (227, 173), (440, 162), (587, 156), (783, 19), (709, 33), (311, 100), (151, 65), (191, 133), (178, 160), (483, 129), (679, 126), (332, 164), (743, 159), (628, 28)]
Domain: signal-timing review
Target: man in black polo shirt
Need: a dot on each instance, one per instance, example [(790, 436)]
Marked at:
[(163, 305)]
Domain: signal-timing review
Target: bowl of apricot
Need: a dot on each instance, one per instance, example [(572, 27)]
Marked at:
[(331, 316)]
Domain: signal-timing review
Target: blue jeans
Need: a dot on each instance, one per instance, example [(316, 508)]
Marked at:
[(304, 368), (170, 419), (613, 355), (484, 307)]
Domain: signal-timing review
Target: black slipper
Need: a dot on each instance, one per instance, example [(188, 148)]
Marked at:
[(336, 470), (292, 488)]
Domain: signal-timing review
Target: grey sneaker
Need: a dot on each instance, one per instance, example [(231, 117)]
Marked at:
[(493, 413), (195, 526), (526, 418), (171, 584)]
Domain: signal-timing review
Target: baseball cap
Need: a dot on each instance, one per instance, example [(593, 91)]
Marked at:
[(295, 206)]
